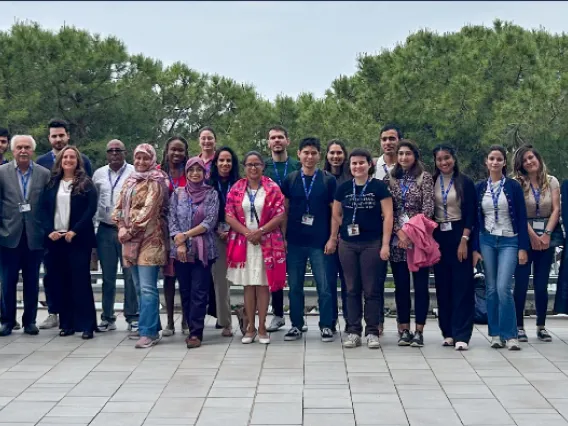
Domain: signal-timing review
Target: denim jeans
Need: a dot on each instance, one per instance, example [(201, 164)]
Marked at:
[(542, 261), (296, 261), (146, 281), (500, 257), (109, 251), (333, 269)]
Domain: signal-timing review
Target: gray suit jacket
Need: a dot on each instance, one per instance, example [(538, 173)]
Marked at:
[(11, 220)]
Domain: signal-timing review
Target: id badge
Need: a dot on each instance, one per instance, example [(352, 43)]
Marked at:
[(405, 218), (353, 230), (307, 219), (538, 225), (223, 227), (107, 210), (25, 207), (497, 232), (445, 226)]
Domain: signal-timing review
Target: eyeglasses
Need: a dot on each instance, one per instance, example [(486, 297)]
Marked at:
[(253, 165), (115, 151), (389, 138)]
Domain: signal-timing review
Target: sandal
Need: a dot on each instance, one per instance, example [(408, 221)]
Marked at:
[(66, 332)]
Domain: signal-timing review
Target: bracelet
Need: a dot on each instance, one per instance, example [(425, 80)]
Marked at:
[(465, 237)]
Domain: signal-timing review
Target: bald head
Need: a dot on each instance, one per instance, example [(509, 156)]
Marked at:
[(116, 154)]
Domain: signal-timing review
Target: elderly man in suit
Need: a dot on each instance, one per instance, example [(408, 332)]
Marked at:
[(22, 183)]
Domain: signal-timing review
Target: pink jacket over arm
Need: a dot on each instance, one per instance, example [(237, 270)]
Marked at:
[(425, 250)]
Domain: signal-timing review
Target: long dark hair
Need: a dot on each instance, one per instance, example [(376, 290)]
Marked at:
[(80, 179), (165, 164), (417, 169), (234, 174), (344, 171), (502, 150), (457, 175)]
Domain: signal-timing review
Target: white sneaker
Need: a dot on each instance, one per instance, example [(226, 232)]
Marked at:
[(496, 342), (352, 341), (461, 346), (513, 345), (373, 342), (133, 326), (276, 324), (51, 321), (106, 326), (304, 328)]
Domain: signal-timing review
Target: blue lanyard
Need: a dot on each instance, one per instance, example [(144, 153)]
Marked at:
[(306, 190), (404, 188), (536, 194), (278, 174), (252, 198), (356, 198), (25, 179), (226, 195), (174, 186), (445, 194), (113, 185), (385, 168), (53, 156), (495, 196)]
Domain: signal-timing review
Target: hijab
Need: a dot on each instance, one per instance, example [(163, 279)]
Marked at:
[(197, 191)]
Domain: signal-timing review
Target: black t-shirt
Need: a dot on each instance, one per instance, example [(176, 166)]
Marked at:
[(320, 200), (222, 189), (369, 214)]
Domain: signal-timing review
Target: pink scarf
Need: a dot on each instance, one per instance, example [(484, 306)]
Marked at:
[(272, 243)]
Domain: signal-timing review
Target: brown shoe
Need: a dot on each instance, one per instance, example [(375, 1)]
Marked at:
[(192, 342), (227, 332)]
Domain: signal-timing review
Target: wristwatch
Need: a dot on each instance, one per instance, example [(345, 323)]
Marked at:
[(261, 229), (465, 237), (547, 232)]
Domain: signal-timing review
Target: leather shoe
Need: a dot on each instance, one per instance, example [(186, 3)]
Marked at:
[(87, 335), (5, 330), (31, 329)]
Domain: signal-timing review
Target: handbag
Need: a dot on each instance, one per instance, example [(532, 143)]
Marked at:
[(556, 238)]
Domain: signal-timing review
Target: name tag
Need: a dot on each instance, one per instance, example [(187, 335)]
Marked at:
[(307, 219), (107, 209), (404, 218), (445, 226), (24, 207), (497, 232), (538, 225), (223, 227), (353, 230)]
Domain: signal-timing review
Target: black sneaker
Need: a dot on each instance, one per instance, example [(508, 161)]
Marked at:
[(31, 330), (522, 335), (543, 335), (293, 334), (327, 335), (417, 340), (405, 338)]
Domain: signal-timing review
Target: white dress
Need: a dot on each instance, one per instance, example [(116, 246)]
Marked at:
[(254, 272)]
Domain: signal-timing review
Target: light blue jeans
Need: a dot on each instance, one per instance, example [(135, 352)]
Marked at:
[(146, 281), (500, 257)]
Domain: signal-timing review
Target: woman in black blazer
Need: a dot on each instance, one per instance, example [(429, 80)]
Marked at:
[(69, 204)]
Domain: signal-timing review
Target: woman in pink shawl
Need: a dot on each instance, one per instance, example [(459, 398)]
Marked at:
[(140, 215), (256, 257)]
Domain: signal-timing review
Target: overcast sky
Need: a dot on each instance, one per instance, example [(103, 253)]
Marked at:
[(279, 47)]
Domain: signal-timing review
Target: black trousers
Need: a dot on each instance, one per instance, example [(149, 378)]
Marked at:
[(364, 273), (194, 286), (69, 265), (401, 275), (28, 261), (455, 289), (278, 303)]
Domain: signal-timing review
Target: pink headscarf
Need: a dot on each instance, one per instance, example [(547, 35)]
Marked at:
[(196, 191), (152, 174)]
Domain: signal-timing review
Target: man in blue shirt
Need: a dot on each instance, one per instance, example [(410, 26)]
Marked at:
[(59, 138)]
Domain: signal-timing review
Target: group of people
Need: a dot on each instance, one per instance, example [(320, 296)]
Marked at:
[(203, 225)]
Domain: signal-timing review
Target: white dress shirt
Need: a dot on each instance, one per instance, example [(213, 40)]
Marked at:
[(381, 168), (109, 184)]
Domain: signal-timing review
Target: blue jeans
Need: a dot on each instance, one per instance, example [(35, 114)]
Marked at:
[(333, 269), (296, 261), (146, 282), (500, 256)]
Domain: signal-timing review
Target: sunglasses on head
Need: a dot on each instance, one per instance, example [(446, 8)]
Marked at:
[(389, 138)]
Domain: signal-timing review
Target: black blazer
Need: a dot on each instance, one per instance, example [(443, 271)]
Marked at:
[(83, 208)]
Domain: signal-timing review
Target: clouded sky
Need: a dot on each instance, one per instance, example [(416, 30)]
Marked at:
[(279, 47)]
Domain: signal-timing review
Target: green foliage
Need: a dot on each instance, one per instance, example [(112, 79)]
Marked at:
[(472, 88)]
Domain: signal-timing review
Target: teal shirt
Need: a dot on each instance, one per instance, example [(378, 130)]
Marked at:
[(293, 165)]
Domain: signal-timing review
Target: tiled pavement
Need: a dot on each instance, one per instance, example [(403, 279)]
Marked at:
[(49, 380)]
